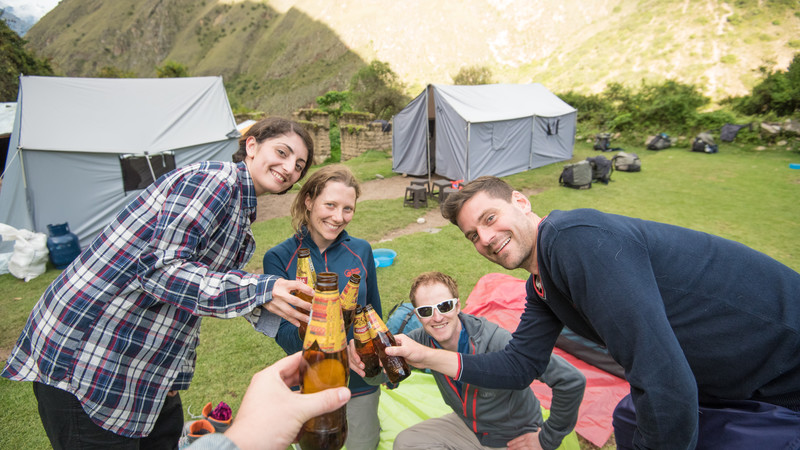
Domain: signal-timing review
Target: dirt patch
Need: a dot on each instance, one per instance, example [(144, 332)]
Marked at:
[(272, 206)]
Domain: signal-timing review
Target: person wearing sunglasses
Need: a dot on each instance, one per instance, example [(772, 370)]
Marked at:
[(482, 418), (707, 329)]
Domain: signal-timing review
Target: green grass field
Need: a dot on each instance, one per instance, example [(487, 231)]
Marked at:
[(740, 193)]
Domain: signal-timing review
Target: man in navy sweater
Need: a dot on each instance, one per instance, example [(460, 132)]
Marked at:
[(707, 330)]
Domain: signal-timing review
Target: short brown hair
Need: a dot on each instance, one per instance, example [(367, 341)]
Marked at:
[(427, 278), (270, 127), (315, 185), (493, 186)]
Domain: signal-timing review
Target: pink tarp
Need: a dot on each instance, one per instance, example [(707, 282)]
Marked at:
[(501, 299)]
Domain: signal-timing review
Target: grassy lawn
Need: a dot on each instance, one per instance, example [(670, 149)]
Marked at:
[(740, 193)]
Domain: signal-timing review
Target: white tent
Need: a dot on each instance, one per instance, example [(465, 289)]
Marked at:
[(82, 148), (463, 132)]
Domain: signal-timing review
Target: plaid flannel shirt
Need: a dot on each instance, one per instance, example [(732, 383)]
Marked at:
[(119, 327)]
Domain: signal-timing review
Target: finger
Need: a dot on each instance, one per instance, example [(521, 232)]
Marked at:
[(323, 402), (297, 285), (352, 353), (288, 368), (284, 310)]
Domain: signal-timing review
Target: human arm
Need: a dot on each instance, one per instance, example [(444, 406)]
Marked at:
[(623, 305), (193, 246), (423, 357), (278, 262), (567, 384), (276, 425)]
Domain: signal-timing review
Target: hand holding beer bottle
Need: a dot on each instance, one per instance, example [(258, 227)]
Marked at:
[(395, 367), (306, 274), (362, 339), (325, 365)]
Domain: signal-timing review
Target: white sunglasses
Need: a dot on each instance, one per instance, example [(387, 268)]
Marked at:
[(443, 307)]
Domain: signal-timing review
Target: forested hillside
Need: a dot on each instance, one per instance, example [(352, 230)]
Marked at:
[(278, 55)]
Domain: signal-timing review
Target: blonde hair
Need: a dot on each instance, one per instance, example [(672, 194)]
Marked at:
[(315, 185), (428, 278)]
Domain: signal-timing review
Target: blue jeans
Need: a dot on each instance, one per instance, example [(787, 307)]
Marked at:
[(69, 427), (729, 425)]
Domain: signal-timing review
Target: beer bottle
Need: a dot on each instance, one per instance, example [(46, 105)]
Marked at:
[(349, 300), (325, 365), (395, 367), (306, 274), (363, 344)]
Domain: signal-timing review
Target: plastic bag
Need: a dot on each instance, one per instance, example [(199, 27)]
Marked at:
[(29, 259)]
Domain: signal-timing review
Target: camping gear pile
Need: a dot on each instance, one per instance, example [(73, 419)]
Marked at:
[(704, 143)]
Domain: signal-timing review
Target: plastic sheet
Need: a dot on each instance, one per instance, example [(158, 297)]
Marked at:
[(501, 299)]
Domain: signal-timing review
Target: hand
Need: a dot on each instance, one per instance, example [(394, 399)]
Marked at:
[(271, 415), (414, 352), (422, 357), (354, 359), (284, 303), (526, 441)]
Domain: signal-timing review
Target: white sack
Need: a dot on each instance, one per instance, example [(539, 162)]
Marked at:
[(29, 259)]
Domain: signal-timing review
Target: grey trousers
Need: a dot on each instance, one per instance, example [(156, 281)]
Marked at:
[(448, 432)]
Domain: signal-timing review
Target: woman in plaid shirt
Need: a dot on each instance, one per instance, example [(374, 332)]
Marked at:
[(113, 338)]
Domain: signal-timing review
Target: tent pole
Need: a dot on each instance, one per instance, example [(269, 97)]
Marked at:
[(468, 137), (428, 140), (150, 166)]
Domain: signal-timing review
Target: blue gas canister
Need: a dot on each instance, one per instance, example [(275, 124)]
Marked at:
[(62, 244)]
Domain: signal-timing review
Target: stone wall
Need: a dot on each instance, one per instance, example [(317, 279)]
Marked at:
[(317, 124), (359, 134)]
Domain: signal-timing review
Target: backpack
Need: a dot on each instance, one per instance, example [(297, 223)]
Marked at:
[(577, 176), (601, 169), (402, 318), (627, 162), (704, 143), (602, 142), (659, 142)]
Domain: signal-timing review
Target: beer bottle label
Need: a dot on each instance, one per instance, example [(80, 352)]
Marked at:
[(349, 296), (361, 329), (376, 323), (326, 326)]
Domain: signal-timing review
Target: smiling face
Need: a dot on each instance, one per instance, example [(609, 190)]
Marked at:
[(275, 164), (445, 328), (503, 232), (330, 212)]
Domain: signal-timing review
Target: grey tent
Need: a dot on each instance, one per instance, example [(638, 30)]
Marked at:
[(7, 113), (463, 132), (82, 148)]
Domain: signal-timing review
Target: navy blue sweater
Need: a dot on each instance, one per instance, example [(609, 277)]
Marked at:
[(690, 316), (345, 256)]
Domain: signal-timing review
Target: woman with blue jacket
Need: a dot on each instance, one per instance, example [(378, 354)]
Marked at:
[(322, 210)]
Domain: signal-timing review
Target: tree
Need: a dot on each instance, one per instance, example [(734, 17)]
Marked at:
[(778, 92), (113, 72), (172, 69), (377, 89), (335, 103), (15, 60), (473, 75)]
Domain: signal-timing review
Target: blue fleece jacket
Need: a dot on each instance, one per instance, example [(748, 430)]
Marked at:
[(690, 316), (345, 256)]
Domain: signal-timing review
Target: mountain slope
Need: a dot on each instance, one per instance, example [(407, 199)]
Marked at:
[(279, 55)]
